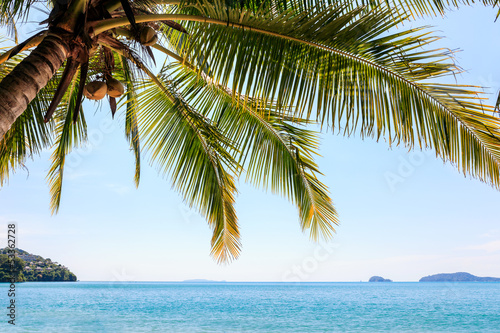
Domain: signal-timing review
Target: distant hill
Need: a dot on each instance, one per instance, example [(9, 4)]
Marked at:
[(32, 267), (379, 279), (457, 277)]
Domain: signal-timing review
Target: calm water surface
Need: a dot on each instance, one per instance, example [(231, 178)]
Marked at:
[(254, 307)]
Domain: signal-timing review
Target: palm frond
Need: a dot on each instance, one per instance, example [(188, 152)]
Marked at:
[(28, 136), (191, 152), (13, 10), (419, 8), (413, 8), (69, 134), (7, 20), (131, 122), (355, 73), (280, 154)]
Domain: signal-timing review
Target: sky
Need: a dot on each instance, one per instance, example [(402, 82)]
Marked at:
[(404, 215)]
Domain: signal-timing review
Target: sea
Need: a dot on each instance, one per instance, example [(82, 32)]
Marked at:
[(251, 307)]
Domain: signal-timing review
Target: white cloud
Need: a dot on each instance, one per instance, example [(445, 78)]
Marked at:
[(491, 233), (493, 246), (76, 175), (119, 189)]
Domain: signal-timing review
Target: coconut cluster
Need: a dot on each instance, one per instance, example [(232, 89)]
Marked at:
[(115, 88), (148, 36), (96, 90)]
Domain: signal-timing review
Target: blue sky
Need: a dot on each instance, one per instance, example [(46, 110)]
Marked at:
[(432, 220)]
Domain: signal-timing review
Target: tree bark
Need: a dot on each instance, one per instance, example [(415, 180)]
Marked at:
[(21, 85)]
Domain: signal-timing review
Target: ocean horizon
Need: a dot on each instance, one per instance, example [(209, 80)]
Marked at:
[(112, 306)]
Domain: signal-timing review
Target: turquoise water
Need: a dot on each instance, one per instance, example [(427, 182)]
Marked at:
[(253, 307)]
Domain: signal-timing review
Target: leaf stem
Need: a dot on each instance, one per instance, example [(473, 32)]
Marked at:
[(72, 15), (32, 43)]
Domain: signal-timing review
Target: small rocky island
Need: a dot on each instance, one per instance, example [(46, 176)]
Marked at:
[(457, 277), (31, 267), (378, 279)]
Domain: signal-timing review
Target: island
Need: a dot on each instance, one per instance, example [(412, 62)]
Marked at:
[(379, 279), (457, 277), (27, 267)]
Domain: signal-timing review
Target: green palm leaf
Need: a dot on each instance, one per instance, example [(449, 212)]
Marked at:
[(29, 134), (280, 154), (131, 122), (354, 73), (68, 135), (27, 137), (413, 8), (251, 75), (192, 153)]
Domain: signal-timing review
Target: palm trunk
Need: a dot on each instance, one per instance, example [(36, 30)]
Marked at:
[(19, 88)]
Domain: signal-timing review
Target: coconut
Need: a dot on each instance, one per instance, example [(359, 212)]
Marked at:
[(148, 36), (95, 90), (115, 88)]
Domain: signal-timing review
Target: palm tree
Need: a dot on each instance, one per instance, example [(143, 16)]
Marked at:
[(242, 81)]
